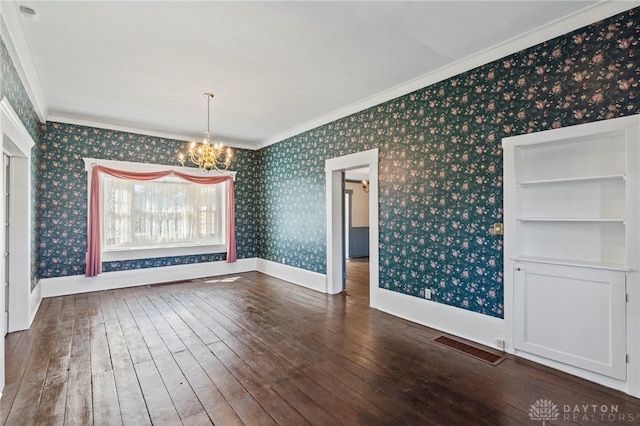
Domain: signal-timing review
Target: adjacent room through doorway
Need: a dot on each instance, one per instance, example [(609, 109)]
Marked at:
[(356, 234)]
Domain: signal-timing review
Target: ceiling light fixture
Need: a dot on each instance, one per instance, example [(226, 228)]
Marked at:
[(207, 155)]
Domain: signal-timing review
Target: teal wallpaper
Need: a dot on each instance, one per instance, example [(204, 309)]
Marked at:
[(292, 219), (441, 162), (63, 194), (12, 88)]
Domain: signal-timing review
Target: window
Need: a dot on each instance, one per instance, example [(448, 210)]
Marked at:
[(162, 217)]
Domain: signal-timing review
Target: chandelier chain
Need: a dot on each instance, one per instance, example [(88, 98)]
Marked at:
[(209, 96)]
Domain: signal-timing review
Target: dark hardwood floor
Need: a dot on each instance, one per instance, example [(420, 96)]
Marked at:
[(254, 350), (357, 282)]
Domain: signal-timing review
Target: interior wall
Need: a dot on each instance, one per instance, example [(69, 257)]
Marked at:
[(63, 194), (12, 88), (441, 162), (359, 205)]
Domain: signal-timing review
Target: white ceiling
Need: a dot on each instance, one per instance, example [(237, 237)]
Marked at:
[(276, 68)]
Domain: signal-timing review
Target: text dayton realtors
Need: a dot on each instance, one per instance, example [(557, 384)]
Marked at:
[(596, 412)]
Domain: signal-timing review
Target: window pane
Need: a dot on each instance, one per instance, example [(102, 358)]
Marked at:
[(160, 213)]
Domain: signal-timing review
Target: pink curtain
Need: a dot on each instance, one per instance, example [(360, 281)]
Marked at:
[(94, 262)]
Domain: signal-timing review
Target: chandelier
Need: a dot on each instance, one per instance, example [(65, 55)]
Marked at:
[(207, 155)]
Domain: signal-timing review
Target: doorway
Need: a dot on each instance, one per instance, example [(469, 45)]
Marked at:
[(335, 169), (21, 302), (356, 234), (16, 209)]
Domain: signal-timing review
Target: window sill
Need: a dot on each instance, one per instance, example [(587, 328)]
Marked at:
[(151, 253)]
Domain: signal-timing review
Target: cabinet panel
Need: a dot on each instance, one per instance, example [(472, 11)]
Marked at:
[(572, 315)]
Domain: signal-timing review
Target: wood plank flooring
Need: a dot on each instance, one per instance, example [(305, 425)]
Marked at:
[(253, 350), (357, 282)]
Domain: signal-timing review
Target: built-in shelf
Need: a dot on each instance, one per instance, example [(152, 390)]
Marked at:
[(572, 247), (571, 219), (572, 262), (569, 180)]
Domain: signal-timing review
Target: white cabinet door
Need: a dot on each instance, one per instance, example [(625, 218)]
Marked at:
[(572, 315)]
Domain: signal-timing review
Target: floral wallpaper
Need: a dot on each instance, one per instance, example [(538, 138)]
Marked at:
[(441, 162), (63, 194), (11, 87)]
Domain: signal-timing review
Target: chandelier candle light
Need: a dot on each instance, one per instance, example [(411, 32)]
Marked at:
[(207, 155)]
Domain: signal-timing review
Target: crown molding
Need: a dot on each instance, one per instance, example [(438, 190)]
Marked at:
[(567, 24), (15, 38), (88, 122)]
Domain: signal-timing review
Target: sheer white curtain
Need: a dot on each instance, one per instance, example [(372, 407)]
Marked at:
[(143, 214)]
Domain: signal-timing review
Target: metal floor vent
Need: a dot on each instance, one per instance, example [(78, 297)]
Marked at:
[(481, 354)]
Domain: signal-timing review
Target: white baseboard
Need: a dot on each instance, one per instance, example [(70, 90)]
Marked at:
[(35, 298), (302, 277), (479, 328), (75, 284)]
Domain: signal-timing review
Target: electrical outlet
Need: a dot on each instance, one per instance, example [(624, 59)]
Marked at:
[(500, 343), (427, 293), (498, 229)]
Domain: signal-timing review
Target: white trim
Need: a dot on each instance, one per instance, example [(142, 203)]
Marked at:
[(75, 284), (131, 128), (114, 255), (18, 146), (334, 199), (20, 233), (594, 13), (16, 40), (12, 126), (34, 302), (302, 277), (16, 141), (573, 132), (469, 325)]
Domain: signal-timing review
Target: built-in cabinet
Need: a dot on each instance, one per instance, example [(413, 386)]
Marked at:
[(571, 246)]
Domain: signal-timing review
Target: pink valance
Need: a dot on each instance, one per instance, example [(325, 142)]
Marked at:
[(94, 262)]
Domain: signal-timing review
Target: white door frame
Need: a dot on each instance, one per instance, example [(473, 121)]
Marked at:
[(17, 144), (334, 199)]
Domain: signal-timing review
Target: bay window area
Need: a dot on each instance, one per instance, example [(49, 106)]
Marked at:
[(142, 219), (142, 211)]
